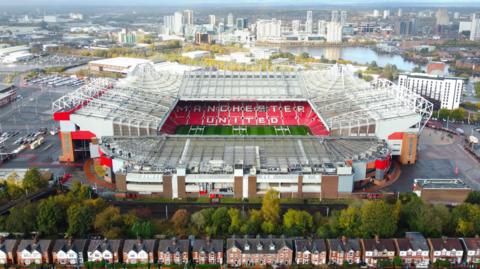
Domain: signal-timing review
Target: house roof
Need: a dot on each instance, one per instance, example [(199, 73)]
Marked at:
[(66, 245), (310, 245), (147, 245), (104, 244), (472, 243), (259, 245), (445, 243), (173, 245), (417, 240), (379, 244), (8, 245), (404, 244), (346, 245), (31, 245), (210, 245)]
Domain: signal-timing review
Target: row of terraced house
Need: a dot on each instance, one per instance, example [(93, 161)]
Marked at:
[(413, 249)]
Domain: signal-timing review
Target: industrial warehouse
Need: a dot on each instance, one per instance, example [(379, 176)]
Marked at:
[(312, 134)]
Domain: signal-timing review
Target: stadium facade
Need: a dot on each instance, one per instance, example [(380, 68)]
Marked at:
[(241, 131)]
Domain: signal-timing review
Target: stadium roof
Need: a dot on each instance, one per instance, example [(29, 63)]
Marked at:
[(273, 153), (341, 99)]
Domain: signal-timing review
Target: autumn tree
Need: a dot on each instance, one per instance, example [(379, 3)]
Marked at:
[(270, 211), (180, 220), (296, 222), (377, 219)]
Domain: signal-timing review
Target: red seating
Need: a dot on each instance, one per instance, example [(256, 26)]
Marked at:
[(290, 113)]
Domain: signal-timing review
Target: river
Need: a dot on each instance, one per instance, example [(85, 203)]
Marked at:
[(360, 55)]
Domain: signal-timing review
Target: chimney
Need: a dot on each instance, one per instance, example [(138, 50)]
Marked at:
[(344, 239), (377, 239)]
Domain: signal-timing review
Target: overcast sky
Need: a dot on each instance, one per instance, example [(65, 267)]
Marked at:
[(229, 2)]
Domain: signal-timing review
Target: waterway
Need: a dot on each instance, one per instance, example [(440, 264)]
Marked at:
[(359, 55)]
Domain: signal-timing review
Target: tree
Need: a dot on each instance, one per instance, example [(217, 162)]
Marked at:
[(22, 219), (33, 181), (271, 206), (220, 221), (109, 222), (203, 218), (473, 198), (458, 114), (235, 220), (444, 114), (252, 225), (52, 215), (349, 221), (296, 223), (418, 216), (377, 219), (80, 219), (142, 229), (180, 220)]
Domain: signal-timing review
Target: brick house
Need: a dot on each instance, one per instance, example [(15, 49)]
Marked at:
[(173, 251), (472, 249), (446, 249), (105, 250), (207, 251), (413, 250), (34, 251), (310, 251), (378, 249), (259, 251), (69, 251), (8, 248), (344, 249), (140, 251)]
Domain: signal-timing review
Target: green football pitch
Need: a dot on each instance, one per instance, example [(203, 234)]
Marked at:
[(242, 130)]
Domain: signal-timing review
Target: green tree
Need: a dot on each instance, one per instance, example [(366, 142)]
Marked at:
[(377, 219), (458, 114), (271, 206), (235, 220), (220, 221), (142, 229), (202, 219), (80, 220), (253, 223), (444, 114), (349, 221), (33, 181), (109, 222), (296, 222), (52, 215), (22, 219), (473, 198)]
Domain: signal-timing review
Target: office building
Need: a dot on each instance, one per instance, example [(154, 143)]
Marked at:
[(443, 92), (405, 27), (442, 17), (212, 20), (475, 27), (376, 13), (126, 37), (230, 20), (399, 12), (309, 22), (295, 27), (178, 23), (269, 29), (188, 17), (322, 28), (241, 23), (168, 24), (386, 14), (334, 32), (343, 17)]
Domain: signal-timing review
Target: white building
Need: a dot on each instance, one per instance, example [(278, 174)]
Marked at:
[(446, 90), (178, 23), (168, 24), (343, 17), (50, 18), (212, 20), (196, 54), (442, 17), (309, 22), (322, 28), (295, 27), (334, 32), (230, 20), (376, 13), (334, 17), (475, 27), (188, 17), (464, 26), (399, 12), (269, 29), (386, 14)]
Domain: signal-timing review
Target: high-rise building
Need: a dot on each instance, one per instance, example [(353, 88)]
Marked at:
[(309, 22), (405, 27), (178, 23), (386, 14), (230, 20), (126, 37), (399, 12), (343, 17), (334, 32), (475, 27), (169, 24), (376, 13), (444, 92), (295, 26), (334, 17), (188, 17), (456, 15), (268, 29), (241, 23), (212, 20), (442, 17), (322, 28)]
